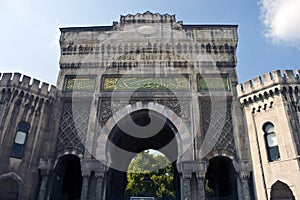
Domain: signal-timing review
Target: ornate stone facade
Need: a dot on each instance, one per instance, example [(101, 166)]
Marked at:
[(76, 140)]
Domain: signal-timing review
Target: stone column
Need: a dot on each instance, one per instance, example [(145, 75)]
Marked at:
[(200, 186), (186, 190), (44, 166), (243, 168), (43, 186), (85, 185), (187, 169), (99, 185), (245, 185)]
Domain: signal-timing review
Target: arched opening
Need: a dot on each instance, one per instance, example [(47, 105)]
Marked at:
[(151, 174), (66, 179), (9, 189), (116, 177), (221, 179), (281, 191), (271, 142)]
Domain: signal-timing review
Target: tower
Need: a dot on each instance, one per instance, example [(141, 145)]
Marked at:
[(271, 105)]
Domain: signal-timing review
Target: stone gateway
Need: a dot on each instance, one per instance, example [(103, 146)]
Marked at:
[(149, 82)]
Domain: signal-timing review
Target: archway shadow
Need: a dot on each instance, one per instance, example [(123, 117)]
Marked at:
[(116, 179), (66, 178)]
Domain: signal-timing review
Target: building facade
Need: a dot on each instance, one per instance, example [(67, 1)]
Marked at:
[(271, 105), (146, 82)]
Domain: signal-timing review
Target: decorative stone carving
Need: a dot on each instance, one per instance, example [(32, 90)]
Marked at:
[(147, 17), (216, 119), (108, 107), (180, 107), (99, 185), (245, 186), (213, 83), (145, 83), (73, 126), (80, 84), (200, 185), (92, 165), (193, 166), (146, 51), (85, 185), (187, 186)]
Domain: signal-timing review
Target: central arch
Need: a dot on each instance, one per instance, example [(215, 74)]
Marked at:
[(181, 131), (169, 141)]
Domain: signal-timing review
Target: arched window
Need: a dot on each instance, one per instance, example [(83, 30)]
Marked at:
[(271, 142), (20, 140)]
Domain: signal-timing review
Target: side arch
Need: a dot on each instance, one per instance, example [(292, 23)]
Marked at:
[(221, 153), (68, 151), (14, 176), (221, 178), (10, 185), (65, 178)]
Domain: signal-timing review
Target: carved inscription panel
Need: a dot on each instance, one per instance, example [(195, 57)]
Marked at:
[(145, 83)]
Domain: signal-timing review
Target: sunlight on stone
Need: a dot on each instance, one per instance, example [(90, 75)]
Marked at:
[(147, 161)]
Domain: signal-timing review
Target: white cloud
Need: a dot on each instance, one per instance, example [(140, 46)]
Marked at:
[(282, 20)]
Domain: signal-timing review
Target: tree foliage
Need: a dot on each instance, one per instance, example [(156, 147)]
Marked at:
[(158, 168)]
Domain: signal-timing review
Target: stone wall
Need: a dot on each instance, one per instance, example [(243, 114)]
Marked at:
[(191, 69), (273, 98), (28, 100)]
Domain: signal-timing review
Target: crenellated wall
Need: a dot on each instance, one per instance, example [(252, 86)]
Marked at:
[(27, 100), (269, 84), (27, 83), (147, 17), (273, 98), (268, 80)]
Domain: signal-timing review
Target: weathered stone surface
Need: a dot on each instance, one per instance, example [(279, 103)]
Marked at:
[(273, 99), (184, 74)]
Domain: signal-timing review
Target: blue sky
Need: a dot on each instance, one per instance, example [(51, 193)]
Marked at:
[(269, 31)]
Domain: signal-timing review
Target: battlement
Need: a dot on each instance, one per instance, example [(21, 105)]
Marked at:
[(267, 80), (147, 17), (27, 83)]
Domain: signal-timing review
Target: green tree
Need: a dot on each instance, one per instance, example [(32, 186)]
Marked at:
[(158, 168)]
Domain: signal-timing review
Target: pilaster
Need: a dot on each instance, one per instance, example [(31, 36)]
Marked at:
[(188, 169), (91, 165), (99, 185), (243, 167), (44, 167), (85, 184), (200, 185), (245, 185), (186, 183)]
